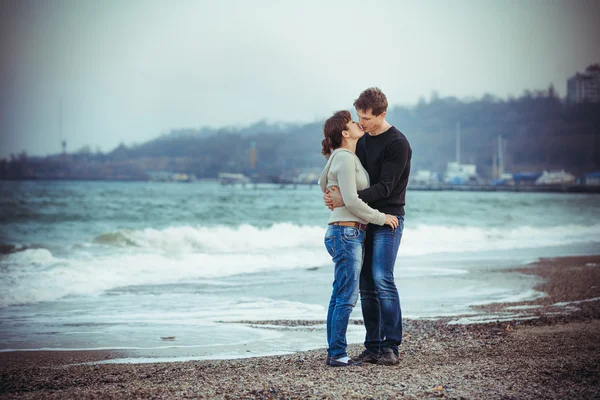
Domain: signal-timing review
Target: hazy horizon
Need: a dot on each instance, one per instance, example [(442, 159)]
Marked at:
[(129, 73)]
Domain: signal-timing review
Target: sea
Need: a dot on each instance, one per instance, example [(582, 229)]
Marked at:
[(161, 271)]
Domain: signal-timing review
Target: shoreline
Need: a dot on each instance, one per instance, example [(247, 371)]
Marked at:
[(552, 350)]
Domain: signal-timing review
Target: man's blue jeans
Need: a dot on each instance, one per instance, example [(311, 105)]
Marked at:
[(378, 294), (345, 245)]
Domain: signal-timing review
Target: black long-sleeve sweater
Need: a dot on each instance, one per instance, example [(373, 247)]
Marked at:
[(386, 157)]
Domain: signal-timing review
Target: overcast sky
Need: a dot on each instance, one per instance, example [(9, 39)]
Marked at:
[(127, 71)]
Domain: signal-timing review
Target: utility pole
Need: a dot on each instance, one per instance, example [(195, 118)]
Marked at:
[(252, 155), (458, 142), (63, 142)]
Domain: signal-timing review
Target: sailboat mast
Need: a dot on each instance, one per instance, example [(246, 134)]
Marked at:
[(500, 157)]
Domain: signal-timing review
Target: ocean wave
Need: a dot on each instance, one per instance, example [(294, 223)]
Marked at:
[(217, 239), (429, 239), (416, 240), (8, 248), (180, 254), (33, 276), (115, 239)]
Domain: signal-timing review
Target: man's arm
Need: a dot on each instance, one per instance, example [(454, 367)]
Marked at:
[(394, 162)]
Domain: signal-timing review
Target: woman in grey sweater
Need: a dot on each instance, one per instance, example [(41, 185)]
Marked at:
[(345, 235)]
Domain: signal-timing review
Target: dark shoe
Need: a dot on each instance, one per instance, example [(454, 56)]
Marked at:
[(388, 358), (367, 357), (350, 363), (327, 360)]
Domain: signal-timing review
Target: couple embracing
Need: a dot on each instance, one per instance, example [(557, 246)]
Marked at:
[(364, 183)]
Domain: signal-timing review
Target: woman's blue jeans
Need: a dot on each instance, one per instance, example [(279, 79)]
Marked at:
[(345, 245), (379, 297)]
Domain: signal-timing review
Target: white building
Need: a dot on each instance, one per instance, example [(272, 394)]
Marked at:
[(424, 177), (459, 174), (584, 87)]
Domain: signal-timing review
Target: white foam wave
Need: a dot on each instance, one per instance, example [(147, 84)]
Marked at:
[(221, 239), (25, 282), (417, 240), (181, 254), (428, 239)]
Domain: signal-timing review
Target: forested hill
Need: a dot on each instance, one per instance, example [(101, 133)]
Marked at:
[(541, 132)]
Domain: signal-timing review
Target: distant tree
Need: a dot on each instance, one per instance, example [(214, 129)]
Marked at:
[(85, 150)]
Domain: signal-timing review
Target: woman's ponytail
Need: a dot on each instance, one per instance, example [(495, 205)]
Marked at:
[(332, 131), (326, 144)]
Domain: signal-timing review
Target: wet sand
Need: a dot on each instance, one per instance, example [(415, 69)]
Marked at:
[(551, 350)]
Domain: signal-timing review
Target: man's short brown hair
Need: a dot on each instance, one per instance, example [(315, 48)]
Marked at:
[(372, 99)]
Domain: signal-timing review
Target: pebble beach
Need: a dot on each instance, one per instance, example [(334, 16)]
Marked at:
[(550, 351)]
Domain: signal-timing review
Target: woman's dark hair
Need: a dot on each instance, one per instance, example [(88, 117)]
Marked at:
[(372, 99), (332, 130)]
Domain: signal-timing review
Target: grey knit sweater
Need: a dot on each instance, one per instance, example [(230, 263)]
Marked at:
[(344, 170)]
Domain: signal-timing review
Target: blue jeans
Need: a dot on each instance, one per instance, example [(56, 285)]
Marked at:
[(378, 294), (345, 245)]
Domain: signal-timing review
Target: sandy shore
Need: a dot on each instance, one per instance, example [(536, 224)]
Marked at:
[(550, 350)]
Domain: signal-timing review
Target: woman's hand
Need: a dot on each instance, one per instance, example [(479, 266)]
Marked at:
[(391, 220), (333, 198)]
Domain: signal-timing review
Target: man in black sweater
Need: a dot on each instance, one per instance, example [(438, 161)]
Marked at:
[(386, 154)]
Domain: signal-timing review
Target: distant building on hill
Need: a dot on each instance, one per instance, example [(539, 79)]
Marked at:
[(585, 88)]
